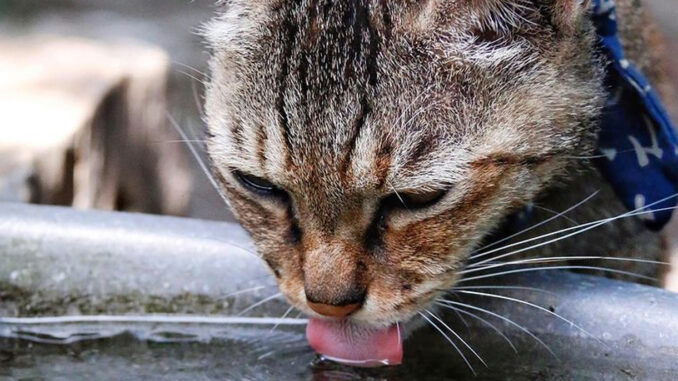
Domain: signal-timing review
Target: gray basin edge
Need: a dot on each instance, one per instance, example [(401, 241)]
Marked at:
[(60, 260)]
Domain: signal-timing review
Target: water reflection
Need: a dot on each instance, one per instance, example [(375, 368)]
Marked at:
[(227, 353), (141, 351), (195, 348)]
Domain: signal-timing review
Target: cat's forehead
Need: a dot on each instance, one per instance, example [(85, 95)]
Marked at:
[(329, 91)]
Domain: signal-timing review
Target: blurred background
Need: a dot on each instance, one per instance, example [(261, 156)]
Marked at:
[(86, 90), (86, 87)]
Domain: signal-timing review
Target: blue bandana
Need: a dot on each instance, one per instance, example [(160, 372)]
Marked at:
[(637, 140)]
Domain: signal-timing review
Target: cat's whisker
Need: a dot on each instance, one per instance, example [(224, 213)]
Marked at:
[(191, 68), (199, 159), (504, 288), (191, 76), (289, 311), (536, 306), (449, 340), (582, 229), (601, 156), (556, 213), (450, 303), (553, 268), (245, 291), (636, 212), (402, 201), (439, 320), (461, 318), (237, 246), (546, 221), (585, 157), (562, 259), (259, 303), (487, 323)]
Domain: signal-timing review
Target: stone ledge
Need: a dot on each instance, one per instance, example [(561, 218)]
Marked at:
[(57, 261)]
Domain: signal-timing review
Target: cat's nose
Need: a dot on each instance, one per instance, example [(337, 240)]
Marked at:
[(333, 279), (337, 309)]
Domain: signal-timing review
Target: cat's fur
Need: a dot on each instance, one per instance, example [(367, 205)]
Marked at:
[(342, 103)]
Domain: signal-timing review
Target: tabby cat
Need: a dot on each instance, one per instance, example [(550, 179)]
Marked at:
[(371, 146)]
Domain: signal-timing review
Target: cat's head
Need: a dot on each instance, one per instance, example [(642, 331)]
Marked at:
[(369, 145)]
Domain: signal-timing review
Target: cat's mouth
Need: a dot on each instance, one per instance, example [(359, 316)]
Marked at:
[(347, 343)]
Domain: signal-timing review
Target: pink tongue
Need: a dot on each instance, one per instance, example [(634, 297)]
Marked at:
[(345, 343)]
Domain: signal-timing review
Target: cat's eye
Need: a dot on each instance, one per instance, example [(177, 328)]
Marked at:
[(258, 185), (424, 199), (416, 200), (420, 200)]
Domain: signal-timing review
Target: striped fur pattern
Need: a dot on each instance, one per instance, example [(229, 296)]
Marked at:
[(342, 104)]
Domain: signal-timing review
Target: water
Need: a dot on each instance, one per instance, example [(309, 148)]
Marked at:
[(194, 351), (636, 325), (143, 351), (248, 349)]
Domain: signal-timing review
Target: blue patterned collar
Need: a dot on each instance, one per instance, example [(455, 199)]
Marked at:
[(637, 141)]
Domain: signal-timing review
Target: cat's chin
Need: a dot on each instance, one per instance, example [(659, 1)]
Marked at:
[(347, 343)]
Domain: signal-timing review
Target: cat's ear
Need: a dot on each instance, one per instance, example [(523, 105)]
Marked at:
[(567, 14)]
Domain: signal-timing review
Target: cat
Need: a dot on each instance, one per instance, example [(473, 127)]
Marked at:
[(371, 147)]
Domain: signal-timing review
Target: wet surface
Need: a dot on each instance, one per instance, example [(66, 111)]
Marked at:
[(255, 354), (245, 353), (253, 349), (596, 328)]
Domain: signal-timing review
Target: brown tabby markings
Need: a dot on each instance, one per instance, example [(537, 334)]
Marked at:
[(345, 163), (343, 103), (261, 147)]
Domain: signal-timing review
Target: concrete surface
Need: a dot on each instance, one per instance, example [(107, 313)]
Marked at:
[(56, 261)]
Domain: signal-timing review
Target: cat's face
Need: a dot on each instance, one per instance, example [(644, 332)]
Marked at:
[(368, 146)]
